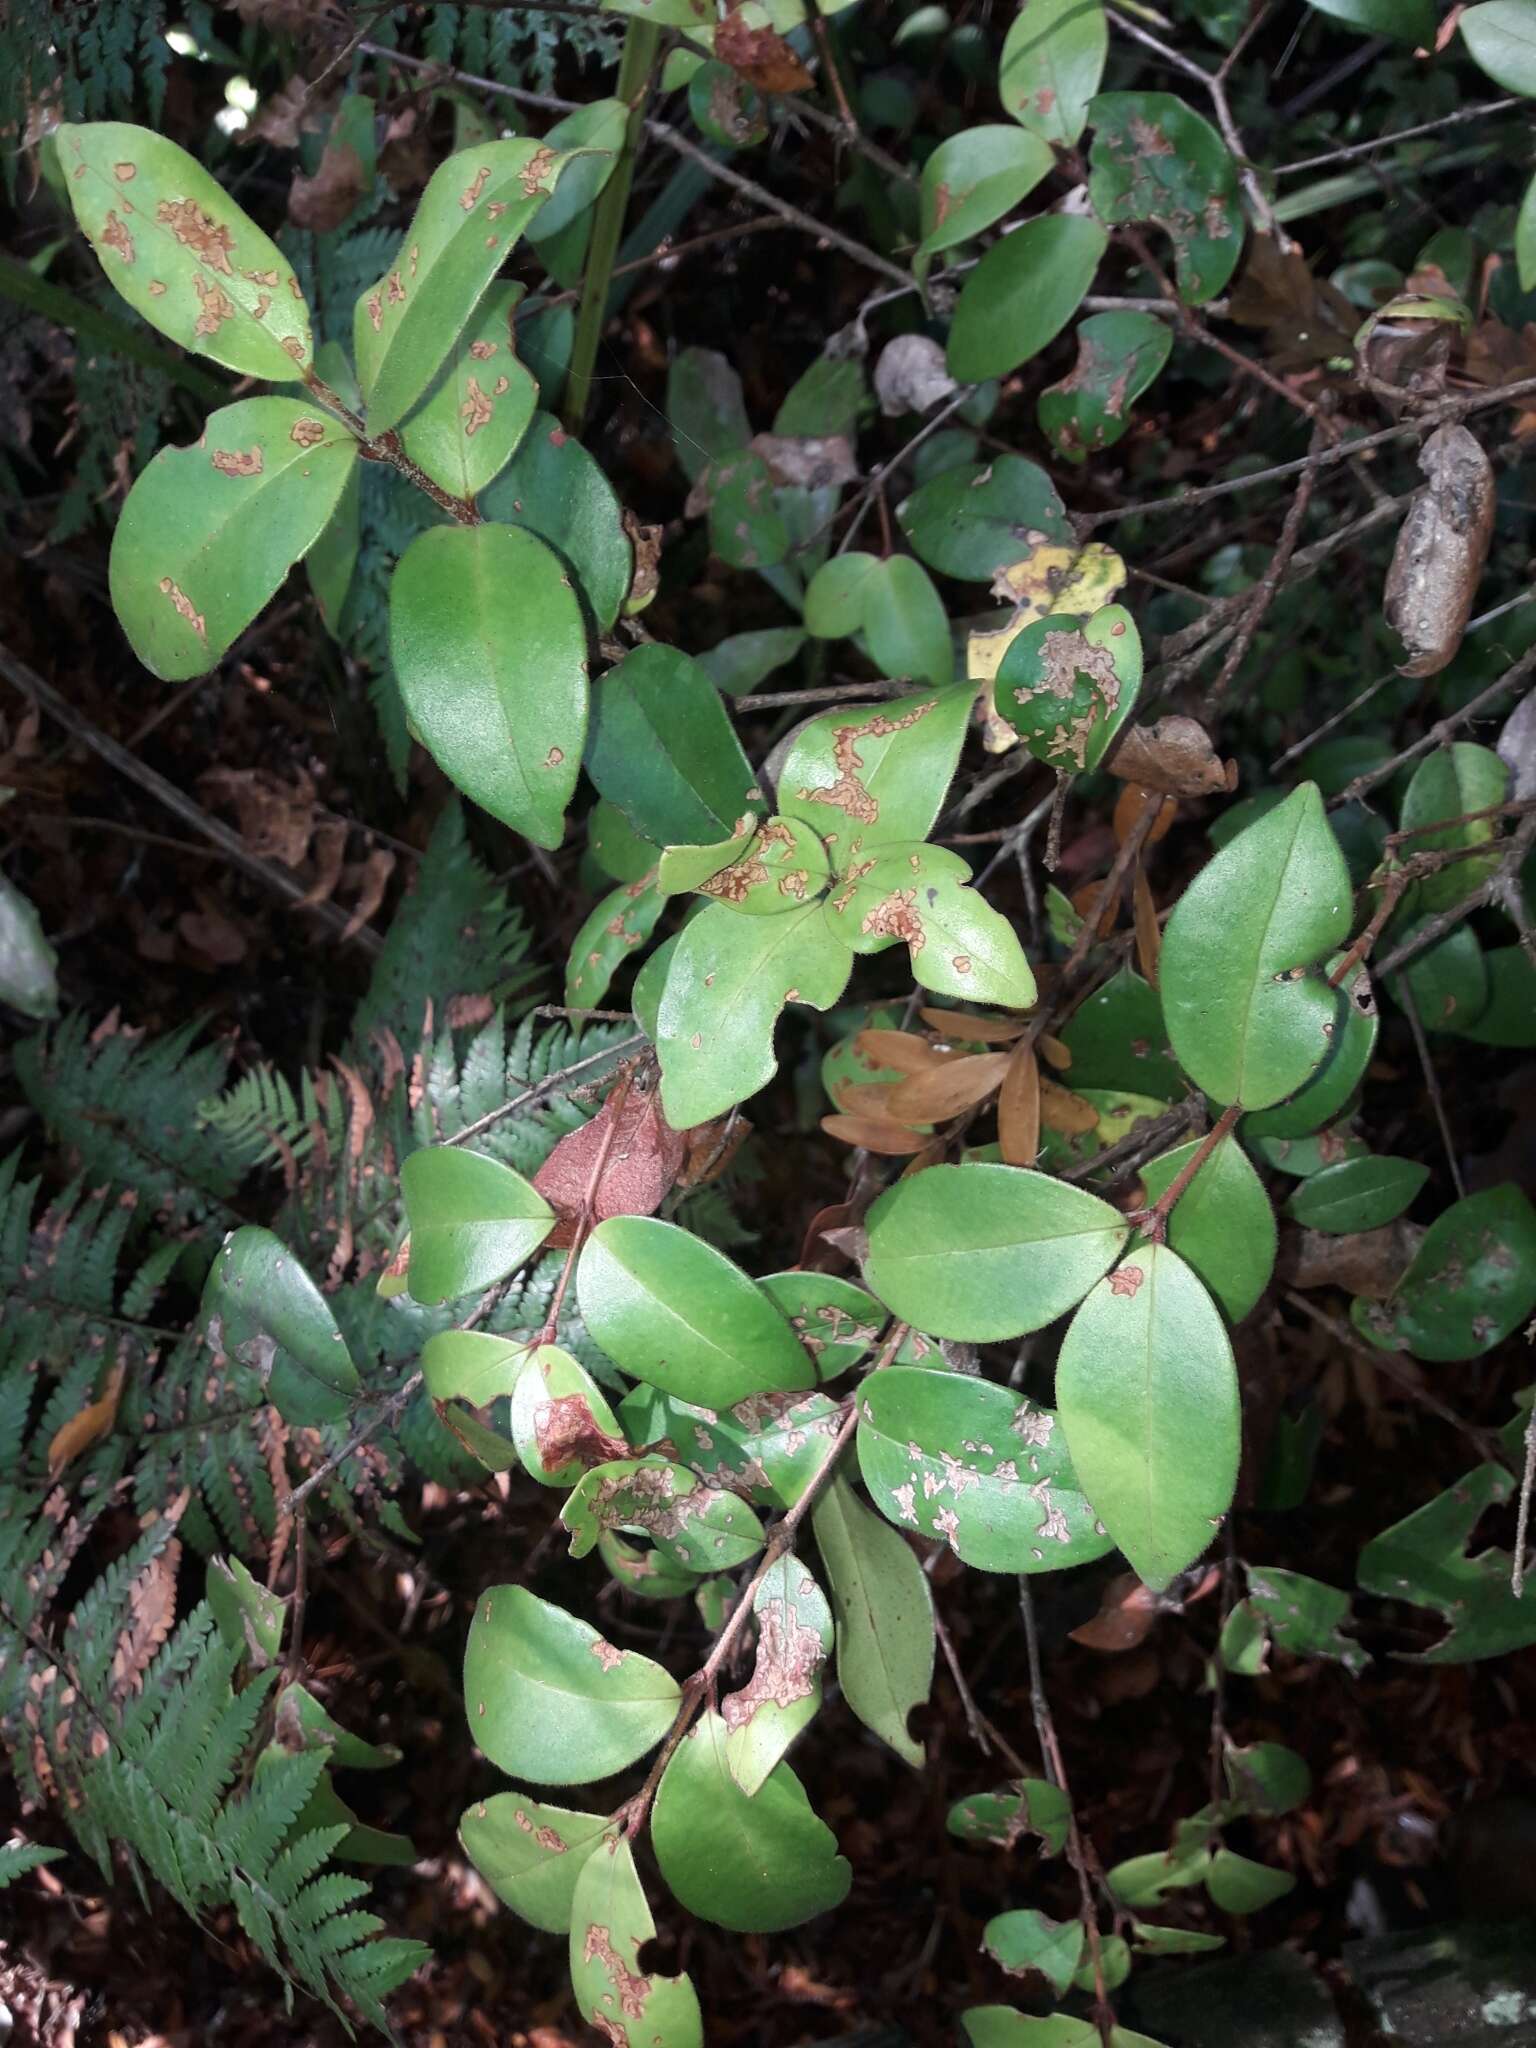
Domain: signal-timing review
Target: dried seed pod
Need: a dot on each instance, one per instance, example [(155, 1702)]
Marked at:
[(1441, 549)]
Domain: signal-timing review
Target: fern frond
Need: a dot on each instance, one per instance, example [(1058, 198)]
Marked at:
[(17, 1858)]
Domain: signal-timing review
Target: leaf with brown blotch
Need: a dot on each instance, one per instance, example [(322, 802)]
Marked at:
[(959, 1025), (1018, 1109), (1174, 756), (94, 1421), (566, 1430), (152, 1611), (643, 1157), (760, 56), (1127, 1610), (1149, 935), (1065, 1113), (947, 1090), (889, 1139), (899, 1049), (1441, 548)]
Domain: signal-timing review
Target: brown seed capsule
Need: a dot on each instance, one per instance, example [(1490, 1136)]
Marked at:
[(1441, 549)]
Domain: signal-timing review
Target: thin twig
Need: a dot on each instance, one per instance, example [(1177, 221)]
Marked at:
[(1439, 733), (1515, 850), (1410, 1009), (550, 1085), (1350, 150), (1153, 1222), (1265, 589)]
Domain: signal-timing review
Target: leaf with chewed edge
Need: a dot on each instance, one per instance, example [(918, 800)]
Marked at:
[(610, 1924)]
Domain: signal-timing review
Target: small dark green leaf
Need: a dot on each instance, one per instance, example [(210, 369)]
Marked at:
[(549, 1700), (1425, 1558), (1448, 784), (705, 408), (1267, 1778), (261, 1306), (1404, 21), (1299, 1614), (554, 488), (473, 1221), (1000, 1818), (1155, 159), (616, 927), (1119, 356), (1326, 1097), (1357, 1194), (745, 661), (1117, 1039), (986, 1252), (883, 1614), (834, 597), (490, 651), (1240, 1886), (1509, 1016), (531, 1854), (662, 750), (1448, 981), (905, 623), (1472, 1281), (972, 521), (1022, 293)]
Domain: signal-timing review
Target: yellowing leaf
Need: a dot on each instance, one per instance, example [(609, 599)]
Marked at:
[(76, 1436), (1053, 577)]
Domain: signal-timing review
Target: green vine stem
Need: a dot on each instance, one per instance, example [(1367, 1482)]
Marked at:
[(642, 40)]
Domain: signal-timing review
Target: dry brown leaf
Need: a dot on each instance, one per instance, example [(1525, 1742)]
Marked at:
[(330, 843), (961, 1026), (1305, 318), (867, 1098), (94, 1421), (323, 202), (889, 1139), (276, 821), (211, 933), (760, 55), (1174, 756), (1126, 1613), (1054, 1053), (152, 1611), (1149, 937), (283, 117), (1065, 1113), (1369, 1263), (370, 880), (948, 1089), (1133, 800), (711, 1148), (1441, 548), (811, 462), (899, 1049), (1018, 1109), (640, 1157)]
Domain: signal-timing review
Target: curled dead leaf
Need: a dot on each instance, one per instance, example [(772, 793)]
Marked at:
[(1174, 757), (891, 1140), (1441, 548), (1126, 1613)]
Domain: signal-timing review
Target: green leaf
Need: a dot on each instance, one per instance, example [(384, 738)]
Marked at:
[(783, 1694), (473, 1221), (597, 130), (1357, 1194), (1222, 1224), (1240, 1886), (1067, 685), (663, 750), (1267, 1778), (915, 895), (250, 1618), (1117, 1039), (1447, 784), (1509, 1015), (618, 923), (999, 2026), (1404, 21), (1022, 293), (828, 398), (1147, 1394), (694, 1524), (780, 867), (1027, 1940), (1030, 1807), (671, 1310), (1053, 59), (727, 981), (834, 597), (705, 408), (554, 489), (768, 1447), (905, 623), (472, 1366), (209, 532), (475, 206), (755, 1865), (610, 1925), (1114, 1964), (644, 1571), (1525, 237), (478, 409), (1424, 1558), (972, 180), (982, 1253), (882, 1611), (977, 1466), (530, 1854), (747, 527), (1303, 1156), (971, 521), (28, 964), (490, 652), (1500, 34), (1471, 1282), (1119, 356), (745, 661), (837, 1322), (181, 252), (616, 846), (881, 774), (685, 869), (261, 1306), (1155, 159), (1302, 1615), (1248, 1022), (1143, 1880), (561, 1421), (1326, 1097), (549, 1700), (1448, 981), (726, 108), (1174, 1941)]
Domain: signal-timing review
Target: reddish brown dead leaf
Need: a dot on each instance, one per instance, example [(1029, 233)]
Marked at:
[(946, 1090), (899, 1049), (1133, 800), (643, 1157), (369, 881), (88, 1427), (1126, 1613), (1054, 1053), (1174, 756), (760, 55), (868, 1098), (1018, 1109), (1064, 1112), (152, 1610), (323, 202), (711, 1148), (276, 821), (891, 1140), (959, 1026)]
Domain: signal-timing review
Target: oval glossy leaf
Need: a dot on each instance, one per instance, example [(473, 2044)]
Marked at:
[(531, 1854), (879, 774), (972, 180), (597, 132), (1448, 784), (747, 526), (755, 1865), (671, 1310), (618, 924), (727, 980), (261, 1306), (1117, 1039), (971, 521), (882, 1612), (473, 1221), (1022, 293), (783, 1694), (1357, 1194), (209, 532), (465, 429), (616, 846), (561, 1421), (1239, 1885), (1448, 981), (663, 750), (1119, 356), (905, 623), (837, 1322), (1501, 35), (985, 1252), (975, 1466), (610, 1924), (555, 489), (1155, 159), (549, 1700), (915, 894), (472, 1366), (745, 661), (683, 870), (1405, 21), (1222, 1223), (490, 651), (1248, 1020), (182, 253), (1324, 1099), (1053, 59), (1471, 1282), (834, 597), (1067, 685), (475, 206), (1146, 1391), (705, 407)]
